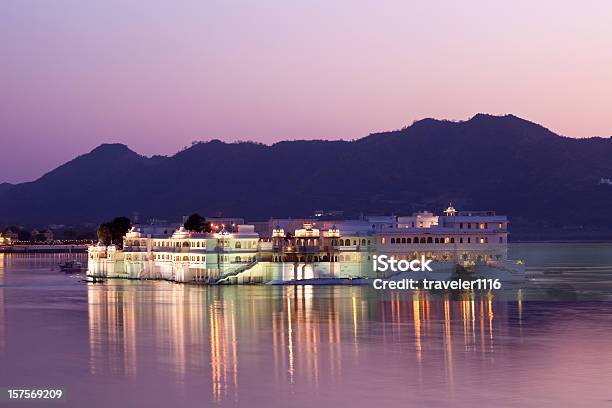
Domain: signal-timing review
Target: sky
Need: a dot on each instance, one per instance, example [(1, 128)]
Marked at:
[(157, 75)]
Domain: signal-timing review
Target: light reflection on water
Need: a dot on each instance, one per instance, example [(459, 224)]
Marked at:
[(159, 343)]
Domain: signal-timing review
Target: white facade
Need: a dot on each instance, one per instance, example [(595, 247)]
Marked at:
[(313, 250)]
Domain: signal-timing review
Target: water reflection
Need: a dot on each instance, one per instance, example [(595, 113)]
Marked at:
[(302, 336), (151, 343)]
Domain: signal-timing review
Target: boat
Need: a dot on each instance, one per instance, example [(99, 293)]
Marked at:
[(72, 266), (94, 279)]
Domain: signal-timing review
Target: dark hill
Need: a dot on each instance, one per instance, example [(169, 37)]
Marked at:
[(504, 163), (5, 187)]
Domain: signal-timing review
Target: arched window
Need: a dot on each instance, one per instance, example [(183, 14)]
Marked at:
[(422, 240), (238, 259), (354, 242), (452, 240), (436, 241), (408, 240), (393, 240), (238, 244), (363, 242), (461, 240), (403, 240), (429, 240)]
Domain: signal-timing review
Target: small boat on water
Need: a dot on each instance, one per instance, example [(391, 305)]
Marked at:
[(94, 279), (72, 266)]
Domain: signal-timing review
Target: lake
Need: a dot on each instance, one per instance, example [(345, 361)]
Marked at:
[(547, 342)]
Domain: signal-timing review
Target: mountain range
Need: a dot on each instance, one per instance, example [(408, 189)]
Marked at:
[(539, 179)]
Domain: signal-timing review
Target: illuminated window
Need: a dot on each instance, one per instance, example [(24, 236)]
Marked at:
[(500, 226), (383, 240)]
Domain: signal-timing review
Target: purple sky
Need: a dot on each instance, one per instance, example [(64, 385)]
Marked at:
[(157, 75)]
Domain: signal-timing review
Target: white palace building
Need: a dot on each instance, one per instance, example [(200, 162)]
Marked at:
[(289, 250)]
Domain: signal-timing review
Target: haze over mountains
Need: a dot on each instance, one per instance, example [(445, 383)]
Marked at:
[(504, 163)]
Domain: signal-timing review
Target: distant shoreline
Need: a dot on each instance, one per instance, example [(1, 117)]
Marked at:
[(43, 249)]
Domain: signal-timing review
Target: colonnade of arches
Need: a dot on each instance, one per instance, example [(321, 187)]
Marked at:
[(349, 242)]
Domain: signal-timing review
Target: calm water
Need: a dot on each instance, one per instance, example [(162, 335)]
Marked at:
[(130, 343)]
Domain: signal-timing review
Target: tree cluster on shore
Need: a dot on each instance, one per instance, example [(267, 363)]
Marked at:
[(112, 232), (197, 223)]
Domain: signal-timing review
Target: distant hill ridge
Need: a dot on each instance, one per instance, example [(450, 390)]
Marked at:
[(504, 163)]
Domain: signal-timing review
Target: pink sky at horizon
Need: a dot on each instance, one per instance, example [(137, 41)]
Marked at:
[(158, 75)]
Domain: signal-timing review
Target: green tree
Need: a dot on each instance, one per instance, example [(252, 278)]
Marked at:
[(113, 232), (104, 234), (119, 226), (197, 223)]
